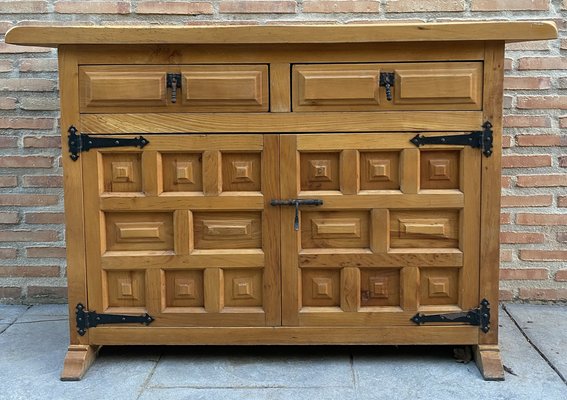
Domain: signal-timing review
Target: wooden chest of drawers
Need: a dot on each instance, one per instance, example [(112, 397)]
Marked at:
[(282, 185)]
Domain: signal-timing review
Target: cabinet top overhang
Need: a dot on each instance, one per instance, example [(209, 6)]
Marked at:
[(53, 36)]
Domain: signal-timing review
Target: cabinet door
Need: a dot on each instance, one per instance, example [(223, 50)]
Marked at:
[(181, 229), (397, 233)]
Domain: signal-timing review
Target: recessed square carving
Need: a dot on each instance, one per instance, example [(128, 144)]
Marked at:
[(439, 286), (241, 172), (243, 287), (227, 230), (320, 288), (183, 288), (182, 172), (138, 231), (334, 229), (439, 169), (122, 172), (379, 287), (320, 171), (125, 288), (424, 228), (379, 170)]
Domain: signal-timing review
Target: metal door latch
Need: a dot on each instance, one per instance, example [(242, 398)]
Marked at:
[(173, 82), (296, 203), (387, 80)]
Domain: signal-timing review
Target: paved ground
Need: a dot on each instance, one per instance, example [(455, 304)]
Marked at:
[(33, 341)]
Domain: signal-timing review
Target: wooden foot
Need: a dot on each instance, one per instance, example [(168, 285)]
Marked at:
[(77, 361), (488, 361)]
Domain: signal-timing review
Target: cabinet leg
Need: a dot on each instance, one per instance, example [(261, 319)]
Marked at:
[(488, 361), (77, 361)]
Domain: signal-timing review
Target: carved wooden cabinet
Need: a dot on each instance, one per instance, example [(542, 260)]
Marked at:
[(282, 184)]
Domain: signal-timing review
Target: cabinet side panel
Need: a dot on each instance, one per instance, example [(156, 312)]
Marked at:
[(490, 198)]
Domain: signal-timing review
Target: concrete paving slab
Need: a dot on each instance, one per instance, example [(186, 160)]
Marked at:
[(248, 394), (31, 358), (545, 326), (8, 313), (433, 374), (3, 327), (254, 367)]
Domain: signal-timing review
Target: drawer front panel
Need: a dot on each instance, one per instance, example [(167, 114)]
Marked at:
[(417, 86), (203, 88)]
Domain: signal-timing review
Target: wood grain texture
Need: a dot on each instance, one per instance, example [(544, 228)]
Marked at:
[(77, 361), (489, 362)]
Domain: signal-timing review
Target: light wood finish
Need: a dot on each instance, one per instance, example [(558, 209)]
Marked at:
[(489, 362), (77, 361), (407, 32), (184, 228)]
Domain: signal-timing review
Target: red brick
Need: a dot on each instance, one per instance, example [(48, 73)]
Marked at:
[(542, 63), (23, 7), (508, 64), (506, 255), (44, 218), (542, 180), (562, 237), (9, 217), (542, 200), (28, 200), (46, 252), (8, 103), (257, 7), (541, 140), (543, 294), (510, 5), (47, 293), (563, 122), (541, 219), (170, 7), (92, 7), (561, 276), (8, 181), (26, 162), (506, 141), (521, 237), (506, 182), (541, 102), (27, 85), (528, 161), (38, 65), (528, 46), (28, 236), (543, 255), (42, 142), (507, 102), (563, 45), (523, 121), (30, 271), (4, 26), (6, 253), (10, 292), (563, 161), (6, 48), (6, 66), (26, 123), (505, 295), (526, 83), (341, 6), (525, 274), (562, 201), (34, 103), (395, 6), (46, 181), (505, 218), (8, 142)]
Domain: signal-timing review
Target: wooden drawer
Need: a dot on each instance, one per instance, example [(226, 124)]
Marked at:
[(417, 86), (204, 88)]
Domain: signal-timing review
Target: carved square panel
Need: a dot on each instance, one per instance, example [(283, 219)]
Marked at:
[(439, 169), (125, 288), (320, 171), (183, 288), (227, 230), (379, 287), (320, 287), (439, 286), (122, 172), (241, 172), (380, 170), (138, 231), (424, 228), (182, 172), (334, 229), (243, 287)]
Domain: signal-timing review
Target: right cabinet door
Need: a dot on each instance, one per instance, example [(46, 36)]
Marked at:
[(397, 233)]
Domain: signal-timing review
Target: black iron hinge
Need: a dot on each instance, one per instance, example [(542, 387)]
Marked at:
[(83, 142), (478, 316), (477, 139), (387, 80), (90, 319)]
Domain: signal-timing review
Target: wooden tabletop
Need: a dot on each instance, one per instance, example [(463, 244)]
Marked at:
[(53, 36)]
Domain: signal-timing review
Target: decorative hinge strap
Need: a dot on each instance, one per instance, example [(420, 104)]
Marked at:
[(478, 316), (477, 139), (90, 319), (83, 142)]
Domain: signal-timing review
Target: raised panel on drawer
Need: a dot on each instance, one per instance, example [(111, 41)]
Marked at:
[(417, 86)]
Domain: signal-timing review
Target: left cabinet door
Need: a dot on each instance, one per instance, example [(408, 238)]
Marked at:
[(182, 229)]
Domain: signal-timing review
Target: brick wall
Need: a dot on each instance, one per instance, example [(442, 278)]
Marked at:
[(534, 213)]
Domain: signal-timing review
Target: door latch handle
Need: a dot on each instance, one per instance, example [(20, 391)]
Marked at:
[(296, 203), (173, 82)]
